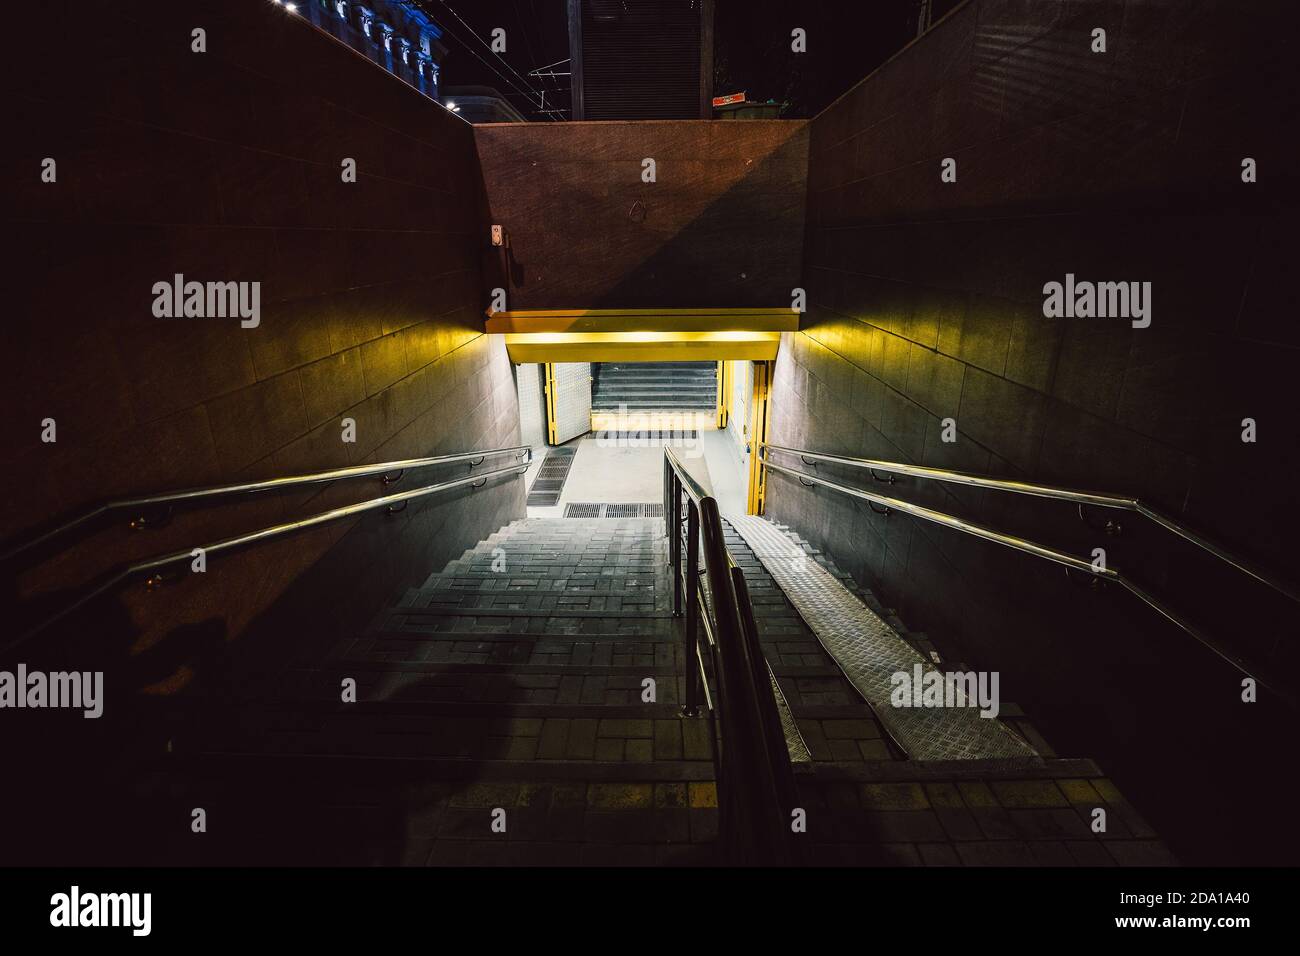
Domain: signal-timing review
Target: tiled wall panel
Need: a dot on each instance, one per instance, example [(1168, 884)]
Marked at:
[(926, 303), (226, 165)]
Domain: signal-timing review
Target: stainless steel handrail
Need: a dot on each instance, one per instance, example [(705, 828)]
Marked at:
[(755, 779), (123, 574), (1119, 502), (269, 484), (1107, 573)]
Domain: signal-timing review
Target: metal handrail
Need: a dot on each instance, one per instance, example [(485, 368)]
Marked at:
[(154, 566), (1070, 561), (270, 484), (755, 778), (1120, 502)]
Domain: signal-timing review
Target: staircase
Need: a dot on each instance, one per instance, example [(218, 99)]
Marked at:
[(655, 386), (511, 680), (501, 717)]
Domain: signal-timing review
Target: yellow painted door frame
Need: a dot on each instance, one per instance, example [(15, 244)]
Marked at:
[(723, 393), (549, 375), (760, 415)]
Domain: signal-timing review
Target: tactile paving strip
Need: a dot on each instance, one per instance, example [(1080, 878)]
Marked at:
[(870, 652)]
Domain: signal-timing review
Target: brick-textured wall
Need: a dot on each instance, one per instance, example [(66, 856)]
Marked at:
[(226, 165), (721, 226), (926, 303)]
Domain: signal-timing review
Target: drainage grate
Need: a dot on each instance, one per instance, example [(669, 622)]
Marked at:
[(650, 437), (598, 509), (549, 483)]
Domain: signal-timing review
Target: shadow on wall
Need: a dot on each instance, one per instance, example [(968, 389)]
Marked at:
[(720, 226), (194, 719)]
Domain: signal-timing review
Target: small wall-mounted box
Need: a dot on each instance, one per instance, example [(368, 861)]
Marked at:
[(498, 236)]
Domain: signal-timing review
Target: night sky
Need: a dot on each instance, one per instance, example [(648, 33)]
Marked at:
[(847, 39)]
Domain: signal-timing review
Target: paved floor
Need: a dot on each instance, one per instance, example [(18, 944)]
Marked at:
[(631, 470), (615, 470)]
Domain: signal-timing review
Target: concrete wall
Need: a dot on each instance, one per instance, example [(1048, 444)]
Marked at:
[(926, 303), (721, 226), (226, 165)]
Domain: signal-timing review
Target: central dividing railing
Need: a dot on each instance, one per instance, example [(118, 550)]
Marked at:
[(727, 675)]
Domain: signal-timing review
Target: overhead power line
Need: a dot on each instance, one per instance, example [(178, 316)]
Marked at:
[(540, 97), (530, 95)]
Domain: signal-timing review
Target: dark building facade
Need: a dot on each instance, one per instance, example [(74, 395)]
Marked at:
[(397, 34), (641, 59)]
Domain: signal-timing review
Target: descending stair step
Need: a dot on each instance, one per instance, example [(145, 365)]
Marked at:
[(412, 691), (558, 630), (292, 766), (541, 610), (553, 593), (451, 625), (826, 694), (468, 730), (679, 392), (535, 673), (679, 386), (673, 400), (663, 670), (393, 811)]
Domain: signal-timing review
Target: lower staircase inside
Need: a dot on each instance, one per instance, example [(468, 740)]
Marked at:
[(523, 706)]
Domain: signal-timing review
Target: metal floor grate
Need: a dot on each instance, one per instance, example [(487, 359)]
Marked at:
[(651, 436), (549, 483), (600, 509)]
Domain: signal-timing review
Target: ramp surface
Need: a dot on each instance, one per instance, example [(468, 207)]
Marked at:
[(870, 652)]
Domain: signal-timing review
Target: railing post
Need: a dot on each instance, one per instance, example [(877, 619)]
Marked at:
[(692, 609), (782, 849), (675, 540), (667, 493), (755, 783)]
